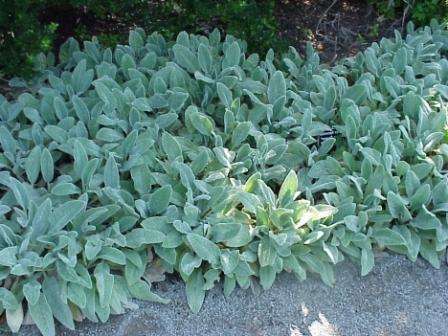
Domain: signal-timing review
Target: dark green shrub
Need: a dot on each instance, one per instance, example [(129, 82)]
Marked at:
[(31, 26), (22, 36), (253, 21), (419, 11)]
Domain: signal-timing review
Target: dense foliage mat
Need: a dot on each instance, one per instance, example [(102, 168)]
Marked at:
[(195, 158)]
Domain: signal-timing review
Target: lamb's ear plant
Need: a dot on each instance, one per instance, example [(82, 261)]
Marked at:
[(195, 158)]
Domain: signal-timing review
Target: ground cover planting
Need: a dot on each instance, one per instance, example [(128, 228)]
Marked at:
[(196, 158)]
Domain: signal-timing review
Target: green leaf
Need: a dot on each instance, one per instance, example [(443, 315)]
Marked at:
[(204, 248), (195, 291), (185, 58), (411, 104), (160, 199), (266, 252), (8, 256), (331, 251), (112, 254), (205, 58), (322, 268), (292, 264), (76, 294), (142, 291), (14, 318), (4, 209), (132, 273), (149, 60), (171, 147), (104, 283), (65, 213), (200, 77), (426, 220), (241, 239), (277, 87), (126, 62), (413, 240), (229, 261), (77, 275), (79, 156), (400, 60), (440, 193), (8, 300), (56, 133), (31, 290), (81, 109), (7, 141), (135, 39), (225, 95), (146, 105), (47, 165), (313, 237), (199, 121), (229, 285), (442, 89), (111, 173), (32, 164), (108, 135), (189, 262), (428, 252), (138, 237), (61, 311), (88, 171), (211, 276), (42, 315), (357, 93), (367, 261), (397, 207), (176, 102), (232, 55), (60, 108), (90, 310), (412, 183), (40, 221), (65, 189), (81, 77), (288, 189), (421, 197), (387, 237), (267, 277), (240, 133), (225, 231)]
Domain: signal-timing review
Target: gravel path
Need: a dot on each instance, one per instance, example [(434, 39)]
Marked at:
[(398, 298)]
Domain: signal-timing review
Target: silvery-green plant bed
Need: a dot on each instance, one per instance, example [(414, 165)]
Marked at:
[(195, 158)]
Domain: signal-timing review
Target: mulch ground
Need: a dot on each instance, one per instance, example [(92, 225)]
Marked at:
[(336, 28)]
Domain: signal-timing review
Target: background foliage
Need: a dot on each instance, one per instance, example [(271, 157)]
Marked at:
[(32, 26), (28, 27), (419, 11)]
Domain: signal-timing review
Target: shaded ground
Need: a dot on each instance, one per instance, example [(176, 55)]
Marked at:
[(336, 28), (398, 298)]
